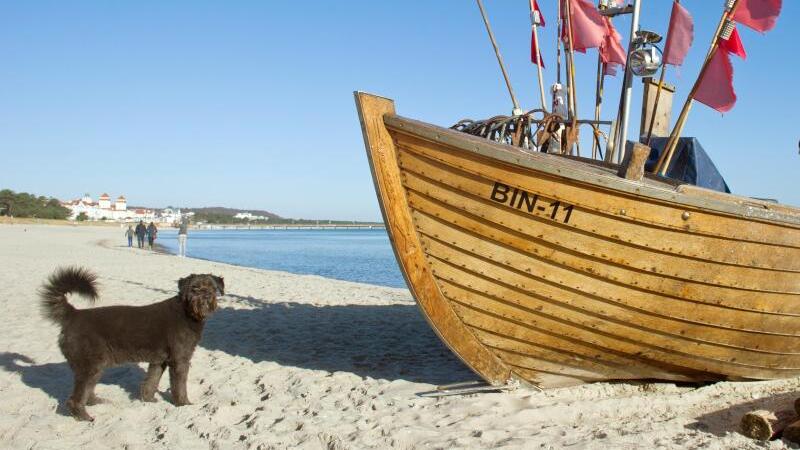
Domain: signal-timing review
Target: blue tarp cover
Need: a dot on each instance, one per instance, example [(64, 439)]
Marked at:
[(690, 164)]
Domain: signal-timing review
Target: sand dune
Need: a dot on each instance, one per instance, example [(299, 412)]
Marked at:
[(293, 361)]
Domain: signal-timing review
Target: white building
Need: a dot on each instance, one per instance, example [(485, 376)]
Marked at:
[(104, 210), (104, 202), (170, 216), (249, 216)]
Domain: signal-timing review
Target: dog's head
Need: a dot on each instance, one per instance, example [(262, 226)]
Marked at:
[(199, 292)]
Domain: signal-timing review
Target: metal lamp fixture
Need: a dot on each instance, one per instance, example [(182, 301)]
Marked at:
[(645, 59)]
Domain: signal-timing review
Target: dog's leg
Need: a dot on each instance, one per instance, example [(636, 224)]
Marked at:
[(94, 399), (178, 373), (85, 380), (150, 383)]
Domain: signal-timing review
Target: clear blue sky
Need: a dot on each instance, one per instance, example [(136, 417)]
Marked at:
[(249, 103)]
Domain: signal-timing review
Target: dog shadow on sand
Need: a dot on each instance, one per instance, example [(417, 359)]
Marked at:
[(378, 341), (55, 379)]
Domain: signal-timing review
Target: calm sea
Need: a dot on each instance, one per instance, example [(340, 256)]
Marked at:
[(364, 256)]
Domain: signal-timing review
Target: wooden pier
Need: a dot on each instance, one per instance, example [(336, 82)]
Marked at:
[(377, 226)]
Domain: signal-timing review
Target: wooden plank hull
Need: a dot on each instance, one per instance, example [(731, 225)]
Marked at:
[(557, 272)]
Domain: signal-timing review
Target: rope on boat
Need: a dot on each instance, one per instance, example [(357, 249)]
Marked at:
[(534, 131)]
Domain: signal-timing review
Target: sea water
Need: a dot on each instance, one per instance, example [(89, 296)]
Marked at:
[(363, 255)]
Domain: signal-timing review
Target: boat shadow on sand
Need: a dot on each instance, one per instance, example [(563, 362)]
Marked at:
[(55, 379), (378, 341)]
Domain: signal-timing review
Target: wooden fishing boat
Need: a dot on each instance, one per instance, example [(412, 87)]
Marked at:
[(556, 271)]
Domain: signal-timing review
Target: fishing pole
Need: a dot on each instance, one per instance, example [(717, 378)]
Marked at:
[(517, 110)]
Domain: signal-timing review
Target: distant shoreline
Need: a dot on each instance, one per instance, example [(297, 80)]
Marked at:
[(206, 226), (290, 227)]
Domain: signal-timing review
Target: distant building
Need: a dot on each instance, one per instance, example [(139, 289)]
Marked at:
[(104, 202), (169, 216), (249, 216), (103, 209)]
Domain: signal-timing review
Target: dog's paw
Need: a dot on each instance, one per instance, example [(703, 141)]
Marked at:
[(148, 399), (85, 417), (182, 402), (95, 400), (79, 412)]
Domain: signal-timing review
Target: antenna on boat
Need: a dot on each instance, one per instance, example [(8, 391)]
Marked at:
[(517, 110), (672, 142)]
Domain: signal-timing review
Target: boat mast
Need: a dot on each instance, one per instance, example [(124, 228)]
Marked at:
[(598, 92), (536, 19), (517, 110), (571, 78), (628, 85), (558, 45)]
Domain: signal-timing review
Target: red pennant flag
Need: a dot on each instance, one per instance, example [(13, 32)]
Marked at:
[(588, 27), (611, 52), (536, 54), (759, 15), (610, 69), (716, 87), (679, 35), (733, 45), (535, 9)]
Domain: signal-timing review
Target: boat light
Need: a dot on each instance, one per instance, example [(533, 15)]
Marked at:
[(645, 59)]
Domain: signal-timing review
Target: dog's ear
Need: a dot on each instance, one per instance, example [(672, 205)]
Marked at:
[(220, 282), (182, 283)]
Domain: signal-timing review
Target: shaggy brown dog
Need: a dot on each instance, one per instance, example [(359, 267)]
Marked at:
[(163, 334)]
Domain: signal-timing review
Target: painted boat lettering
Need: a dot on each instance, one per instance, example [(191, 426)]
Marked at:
[(518, 198)]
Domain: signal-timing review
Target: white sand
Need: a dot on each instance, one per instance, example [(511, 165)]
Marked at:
[(294, 361)]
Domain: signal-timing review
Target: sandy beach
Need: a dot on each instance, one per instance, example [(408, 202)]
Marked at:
[(296, 361)]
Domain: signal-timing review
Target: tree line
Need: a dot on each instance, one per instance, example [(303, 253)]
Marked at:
[(23, 204)]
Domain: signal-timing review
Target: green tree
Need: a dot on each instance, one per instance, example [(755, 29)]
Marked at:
[(28, 205)]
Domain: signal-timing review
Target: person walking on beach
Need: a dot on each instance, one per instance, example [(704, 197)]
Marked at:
[(129, 234), (152, 233), (141, 230), (183, 229)]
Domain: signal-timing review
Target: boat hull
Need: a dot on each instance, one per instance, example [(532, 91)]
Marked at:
[(556, 272)]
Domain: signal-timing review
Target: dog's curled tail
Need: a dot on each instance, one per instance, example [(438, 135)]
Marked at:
[(66, 280)]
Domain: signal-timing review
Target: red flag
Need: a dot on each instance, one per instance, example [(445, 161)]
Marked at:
[(716, 86), (759, 15), (536, 54), (679, 35), (588, 27), (610, 69), (535, 8), (733, 45), (611, 51)]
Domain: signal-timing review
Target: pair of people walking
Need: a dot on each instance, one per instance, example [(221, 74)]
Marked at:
[(142, 233)]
